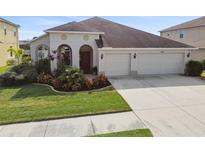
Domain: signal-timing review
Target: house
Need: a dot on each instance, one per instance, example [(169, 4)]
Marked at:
[(192, 33), (9, 37), (113, 48), (25, 45)]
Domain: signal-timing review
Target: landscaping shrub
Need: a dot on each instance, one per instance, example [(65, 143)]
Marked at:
[(194, 68), (72, 79), (100, 81), (61, 69), (30, 75), (66, 87), (43, 66), (11, 78), (26, 59), (45, 78), (72, 76), (76, 87), (57, 84), (11, 62), (22, 67), (88, 84), (19, 75)]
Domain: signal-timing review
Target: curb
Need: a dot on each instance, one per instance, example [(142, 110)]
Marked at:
[(73, 92)]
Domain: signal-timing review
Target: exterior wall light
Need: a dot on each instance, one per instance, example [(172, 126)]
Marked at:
[(134, 56), (101, 56), (188, 55)]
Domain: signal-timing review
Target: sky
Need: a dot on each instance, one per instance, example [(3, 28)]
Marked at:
[(33, 26)]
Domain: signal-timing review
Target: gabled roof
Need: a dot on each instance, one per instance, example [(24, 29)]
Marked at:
[(119, 36), (9, 22), (190, 24)]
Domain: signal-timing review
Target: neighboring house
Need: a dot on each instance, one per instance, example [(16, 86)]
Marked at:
[(9, 37), (25, 44), (192, 33), (114, 48)]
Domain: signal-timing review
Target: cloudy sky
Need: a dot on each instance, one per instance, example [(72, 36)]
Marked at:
[(32, 26)]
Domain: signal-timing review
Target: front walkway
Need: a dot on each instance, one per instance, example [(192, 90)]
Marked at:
[(80, 126)]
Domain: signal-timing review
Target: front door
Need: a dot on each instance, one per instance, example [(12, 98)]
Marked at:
[(85, 62)]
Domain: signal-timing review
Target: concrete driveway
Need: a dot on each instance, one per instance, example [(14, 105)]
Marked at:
[(170, 105)]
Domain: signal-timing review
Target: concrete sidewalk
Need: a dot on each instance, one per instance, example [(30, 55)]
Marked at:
[(70, 127)]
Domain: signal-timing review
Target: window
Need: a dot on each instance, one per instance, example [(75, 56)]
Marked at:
[(42, 52), (5, 30), (14, 32), (11, 54), (65, 55), (181, 35)]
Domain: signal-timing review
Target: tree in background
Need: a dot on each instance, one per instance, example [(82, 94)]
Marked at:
[(18, 53)]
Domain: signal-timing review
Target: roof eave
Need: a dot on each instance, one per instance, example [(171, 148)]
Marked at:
[(74, 32), (9, 22), (38, 38), (110, 48)]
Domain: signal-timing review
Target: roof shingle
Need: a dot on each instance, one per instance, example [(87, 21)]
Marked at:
[(119, 36), (190, 24)]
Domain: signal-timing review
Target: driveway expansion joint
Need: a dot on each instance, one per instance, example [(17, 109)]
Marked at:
[(92, 126), (45, 129)]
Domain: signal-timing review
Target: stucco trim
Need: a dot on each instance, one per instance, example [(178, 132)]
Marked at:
[(140, 49), (75, 32)]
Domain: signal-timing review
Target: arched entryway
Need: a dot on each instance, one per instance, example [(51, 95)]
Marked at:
[(65, 55), (86, 58)]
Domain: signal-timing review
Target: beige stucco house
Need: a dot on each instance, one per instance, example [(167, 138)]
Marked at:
[(192, 33), (9, 37), (113, 48)]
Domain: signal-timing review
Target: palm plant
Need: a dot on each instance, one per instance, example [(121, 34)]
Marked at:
[(18, 52)]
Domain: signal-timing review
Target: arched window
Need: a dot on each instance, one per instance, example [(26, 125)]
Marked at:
[(65, 55), (42, 52)]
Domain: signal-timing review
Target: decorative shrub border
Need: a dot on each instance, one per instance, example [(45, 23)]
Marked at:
[(110, 87)]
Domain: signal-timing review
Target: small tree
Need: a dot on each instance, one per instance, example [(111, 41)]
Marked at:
[(18, 52)]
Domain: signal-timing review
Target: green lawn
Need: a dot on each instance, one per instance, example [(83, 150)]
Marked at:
[(33, 103), (4, 69), (131, 133)]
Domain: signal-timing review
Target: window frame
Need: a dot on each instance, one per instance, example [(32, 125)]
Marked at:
[(15, 32), (5, 30)]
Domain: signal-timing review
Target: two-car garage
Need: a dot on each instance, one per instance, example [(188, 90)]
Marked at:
[(154, 62)]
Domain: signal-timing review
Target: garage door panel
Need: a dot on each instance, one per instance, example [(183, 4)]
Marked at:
[(160, 63), (117, 64)]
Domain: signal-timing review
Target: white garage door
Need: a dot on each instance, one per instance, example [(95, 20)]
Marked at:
[(160, 63), (117, 64)]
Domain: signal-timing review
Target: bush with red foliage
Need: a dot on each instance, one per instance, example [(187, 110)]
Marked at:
[(66, 87), (45, 78), (100, 81), (76, 87), (57, 84), (88, 85)]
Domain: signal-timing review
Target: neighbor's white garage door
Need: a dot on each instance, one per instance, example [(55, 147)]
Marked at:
[(160, 63), (117, 64)]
